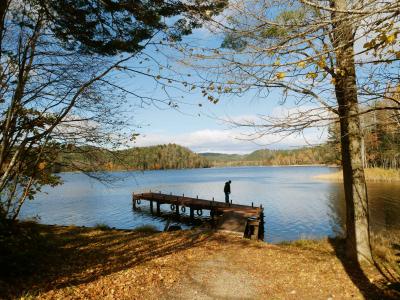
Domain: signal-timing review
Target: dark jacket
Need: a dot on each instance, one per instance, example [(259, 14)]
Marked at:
[(227, 188)]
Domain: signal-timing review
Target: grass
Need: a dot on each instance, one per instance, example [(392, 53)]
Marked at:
[(143, 229), (371, 174), (303, 243), (386, 251), (102, 226), (146, 229)]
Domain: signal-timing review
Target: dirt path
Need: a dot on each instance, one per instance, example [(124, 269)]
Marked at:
[(242, 269), (217, 278), (259, 271)]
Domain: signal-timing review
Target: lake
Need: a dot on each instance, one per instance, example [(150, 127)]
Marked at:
[(295, 204)]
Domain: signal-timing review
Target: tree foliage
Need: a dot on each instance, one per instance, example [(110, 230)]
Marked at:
[(325, 57), (159, 157), (381, 132), (266, 157), (58, 73), (109, 27)]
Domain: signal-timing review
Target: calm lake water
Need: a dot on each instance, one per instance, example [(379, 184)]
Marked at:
[(296, 205)]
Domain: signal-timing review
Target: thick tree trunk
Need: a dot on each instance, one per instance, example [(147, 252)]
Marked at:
[(357, 214)]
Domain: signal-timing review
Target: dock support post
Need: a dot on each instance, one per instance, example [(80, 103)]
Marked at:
[(256, 232), (158, 209), (133, 201), (151, 206), (177, 209), (261, 232), (191, 214)]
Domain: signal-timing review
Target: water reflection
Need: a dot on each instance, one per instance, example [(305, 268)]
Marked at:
[(296, 205), (337, 209), (384, 207)]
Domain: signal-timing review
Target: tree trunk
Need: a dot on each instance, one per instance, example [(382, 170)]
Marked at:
[(3, 11), (357, 214)]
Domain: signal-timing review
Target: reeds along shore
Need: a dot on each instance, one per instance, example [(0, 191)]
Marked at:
[(371, 174)]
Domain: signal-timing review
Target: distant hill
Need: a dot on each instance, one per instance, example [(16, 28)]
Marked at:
[(169, 156), (221, 156), (173, 156), (302, 156)]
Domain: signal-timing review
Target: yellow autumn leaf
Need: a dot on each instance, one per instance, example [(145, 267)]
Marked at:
[(280, 75), (301, 64), (321, 63), (227, 89), (277, 62), (333, 81), (41, 165), (312, 75), (382, 37), (391, 38)]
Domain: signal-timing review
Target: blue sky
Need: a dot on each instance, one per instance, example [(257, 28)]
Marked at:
[(205, 128)]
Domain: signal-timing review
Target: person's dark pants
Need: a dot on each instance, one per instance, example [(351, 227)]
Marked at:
[(227, 197)]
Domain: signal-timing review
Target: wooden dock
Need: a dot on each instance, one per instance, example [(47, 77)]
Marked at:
[(231, 217)]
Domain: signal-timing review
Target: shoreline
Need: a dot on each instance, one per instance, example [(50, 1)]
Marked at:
[(212, 167), (371, 175)]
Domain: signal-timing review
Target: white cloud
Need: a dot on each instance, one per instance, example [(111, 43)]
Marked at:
[(230, 141), (76, 127)]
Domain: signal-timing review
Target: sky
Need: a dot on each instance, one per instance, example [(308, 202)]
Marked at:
[(206, 128)]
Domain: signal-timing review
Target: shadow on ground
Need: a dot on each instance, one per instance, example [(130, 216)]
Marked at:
[(370, 290), (396, 247), (68, 256)]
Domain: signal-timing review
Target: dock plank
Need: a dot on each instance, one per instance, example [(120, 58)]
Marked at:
[(233, 216), (196, 202)]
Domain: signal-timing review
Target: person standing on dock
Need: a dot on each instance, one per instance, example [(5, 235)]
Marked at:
[(227, 190)]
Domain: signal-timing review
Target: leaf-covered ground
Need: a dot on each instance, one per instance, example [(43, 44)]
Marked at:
[(83, 263)]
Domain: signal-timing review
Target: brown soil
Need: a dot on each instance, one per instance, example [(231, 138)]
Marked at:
[(115, 264)]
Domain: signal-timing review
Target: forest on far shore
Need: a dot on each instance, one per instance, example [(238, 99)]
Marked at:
[(174, 156)]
